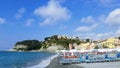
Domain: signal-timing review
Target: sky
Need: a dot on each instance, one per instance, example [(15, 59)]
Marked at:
[(37, 19)]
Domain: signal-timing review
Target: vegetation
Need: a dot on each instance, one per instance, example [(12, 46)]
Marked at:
[(104, 46), (28, 45), (48, 41), (119, 38), (87, 40), (31, 45), (63, 41), (96, 47)]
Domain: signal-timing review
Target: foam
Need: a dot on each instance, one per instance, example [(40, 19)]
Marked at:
[(44, 62)]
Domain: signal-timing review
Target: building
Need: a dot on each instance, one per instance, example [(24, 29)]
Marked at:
[(85, 46), (70, 46), (117, 42), (110, 43)]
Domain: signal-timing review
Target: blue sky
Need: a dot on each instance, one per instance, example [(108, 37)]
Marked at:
[(37, 19)]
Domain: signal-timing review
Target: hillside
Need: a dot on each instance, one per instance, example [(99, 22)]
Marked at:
[(28, 45)]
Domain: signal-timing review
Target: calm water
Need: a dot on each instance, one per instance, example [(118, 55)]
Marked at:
[(22, 59)]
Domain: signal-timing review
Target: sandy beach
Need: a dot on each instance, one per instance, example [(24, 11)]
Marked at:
[(100, 65), (55, 64)]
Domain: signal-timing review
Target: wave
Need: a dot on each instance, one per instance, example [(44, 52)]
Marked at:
[(44, 63)]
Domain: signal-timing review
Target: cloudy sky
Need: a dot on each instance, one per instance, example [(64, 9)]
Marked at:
[(37, 19)]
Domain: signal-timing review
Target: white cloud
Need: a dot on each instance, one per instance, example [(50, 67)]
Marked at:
[(118, 31), (20, 13), (88, 19), (96, 36), (29, 22), (52, 13), (101, 18), (99, 36), (83, 29), (86, 35), (106, 35), (109, 3), (114, 17), (86, 28), (2, 20)]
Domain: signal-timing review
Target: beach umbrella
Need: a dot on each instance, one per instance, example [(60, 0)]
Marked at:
[(73, 50), (118, 50)]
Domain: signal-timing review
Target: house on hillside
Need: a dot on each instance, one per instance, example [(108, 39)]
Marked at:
[(117, 42), (85, 46), (110, 42)]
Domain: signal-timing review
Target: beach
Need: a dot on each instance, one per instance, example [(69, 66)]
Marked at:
[(55, 64), (101, 65)]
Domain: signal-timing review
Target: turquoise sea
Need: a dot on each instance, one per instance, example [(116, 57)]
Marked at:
[(25, 59)]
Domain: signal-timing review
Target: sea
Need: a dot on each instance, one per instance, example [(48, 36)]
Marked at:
[(10, 59)]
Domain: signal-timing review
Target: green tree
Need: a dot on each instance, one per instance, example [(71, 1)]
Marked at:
[(104, 46), (96, 47), (32, 44), (87, 40)]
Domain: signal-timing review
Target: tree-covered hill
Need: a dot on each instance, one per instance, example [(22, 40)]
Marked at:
[(60, 40), (28, 45)]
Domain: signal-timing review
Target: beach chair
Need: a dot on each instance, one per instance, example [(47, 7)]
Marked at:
[(87, 60), (81, 59)]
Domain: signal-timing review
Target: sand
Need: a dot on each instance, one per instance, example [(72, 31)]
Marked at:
[(115, 64), (55, 64)]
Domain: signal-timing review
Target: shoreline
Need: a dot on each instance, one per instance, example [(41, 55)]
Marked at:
[(31, 51), (44, 63), (35, 51)]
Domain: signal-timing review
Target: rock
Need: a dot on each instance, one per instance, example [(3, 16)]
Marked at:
[(19, 48), (43, 50), (55, 48)]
